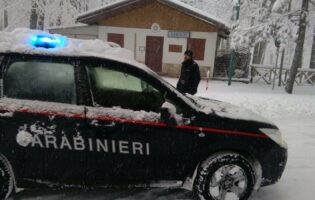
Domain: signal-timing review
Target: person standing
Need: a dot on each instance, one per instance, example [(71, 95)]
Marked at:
[(190, 75)]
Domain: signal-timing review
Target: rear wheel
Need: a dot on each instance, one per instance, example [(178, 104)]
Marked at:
[(6, 178), (225, 176)]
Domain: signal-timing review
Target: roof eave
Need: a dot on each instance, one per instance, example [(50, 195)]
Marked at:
[(94, 17), (219, 25)]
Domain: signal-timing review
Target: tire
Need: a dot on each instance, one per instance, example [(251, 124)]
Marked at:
[(224, 176), (6, 178)]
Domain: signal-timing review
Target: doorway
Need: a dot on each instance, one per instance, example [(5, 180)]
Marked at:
[(154, 53)]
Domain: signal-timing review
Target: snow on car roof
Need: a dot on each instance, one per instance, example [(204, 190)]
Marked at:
[(19, 41)]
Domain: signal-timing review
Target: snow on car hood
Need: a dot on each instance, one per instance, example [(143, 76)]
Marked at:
[(226, 110)]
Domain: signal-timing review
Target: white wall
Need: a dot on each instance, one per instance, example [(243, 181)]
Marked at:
[(139, 35), (81, 32)]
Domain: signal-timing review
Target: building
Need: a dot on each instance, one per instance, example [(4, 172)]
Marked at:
[(157, 31)]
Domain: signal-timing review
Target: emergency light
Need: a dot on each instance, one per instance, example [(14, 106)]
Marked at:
[(47, 41)]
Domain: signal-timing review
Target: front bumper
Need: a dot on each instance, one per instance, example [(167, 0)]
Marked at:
[(273, 165)]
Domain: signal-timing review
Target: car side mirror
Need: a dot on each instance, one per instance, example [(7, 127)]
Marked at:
[(168, 112)]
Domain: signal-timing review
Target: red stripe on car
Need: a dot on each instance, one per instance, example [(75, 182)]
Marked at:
[(142, 122)]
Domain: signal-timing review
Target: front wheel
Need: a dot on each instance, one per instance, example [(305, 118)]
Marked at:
[(6, 178), (225, 176)]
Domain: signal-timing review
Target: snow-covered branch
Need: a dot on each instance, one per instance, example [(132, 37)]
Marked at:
[(266, 20)]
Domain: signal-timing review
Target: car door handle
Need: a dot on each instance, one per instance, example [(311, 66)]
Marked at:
[(95, 123)]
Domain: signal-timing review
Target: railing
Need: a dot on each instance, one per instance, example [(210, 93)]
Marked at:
[(269, 73)]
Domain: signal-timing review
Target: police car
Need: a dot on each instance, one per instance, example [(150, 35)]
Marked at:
[(79, 112)]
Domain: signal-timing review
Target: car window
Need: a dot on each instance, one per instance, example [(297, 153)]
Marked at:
[(115, 80), (113, 88), (43, 81)]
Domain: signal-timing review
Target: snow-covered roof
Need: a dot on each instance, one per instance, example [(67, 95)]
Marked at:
[(19, 41), (92, 16)]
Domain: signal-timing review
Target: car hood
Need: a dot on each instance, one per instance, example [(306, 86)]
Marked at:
[(226, 110)]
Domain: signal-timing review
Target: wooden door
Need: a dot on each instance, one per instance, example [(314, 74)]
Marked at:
[(116, 38), (154, 53), (198, 46)]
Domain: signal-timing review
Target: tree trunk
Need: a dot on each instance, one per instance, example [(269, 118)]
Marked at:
[(34, 15), (312, 65), (259, 52), (5, 15), (6, 18), (298, 54)]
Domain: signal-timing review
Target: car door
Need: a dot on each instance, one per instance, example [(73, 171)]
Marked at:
[(130, 143), (45, 125)]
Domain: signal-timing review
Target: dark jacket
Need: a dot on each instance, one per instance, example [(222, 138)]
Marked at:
[(189, 77)]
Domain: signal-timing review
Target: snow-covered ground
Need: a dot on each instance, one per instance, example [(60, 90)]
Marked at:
[(294, 114)]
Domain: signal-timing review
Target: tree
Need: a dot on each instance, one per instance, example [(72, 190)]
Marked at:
[(41, 14), (298, 55), (217, 8), (63, 12), (5, 13), (4, 18), (262, 21)]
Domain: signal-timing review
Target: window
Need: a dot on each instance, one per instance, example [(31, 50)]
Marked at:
[(198, 46), (116, 38), (43, 81), (113, 88), (175, 48)]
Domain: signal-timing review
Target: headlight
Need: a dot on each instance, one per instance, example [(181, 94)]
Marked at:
[(275, 135)]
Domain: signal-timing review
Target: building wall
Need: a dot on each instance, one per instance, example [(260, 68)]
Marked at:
[(168, 18), (135, 40), (81, 32)]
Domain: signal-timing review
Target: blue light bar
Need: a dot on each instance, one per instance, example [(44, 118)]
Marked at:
[(47, 41)]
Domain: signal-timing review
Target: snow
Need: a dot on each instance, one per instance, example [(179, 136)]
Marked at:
[(55, 109), (12, 105), (170, 107), (279, 5), (197, 11), (226, 110), (19, 41), (117, 112), (24, 138), (98, 9), (172, 111)]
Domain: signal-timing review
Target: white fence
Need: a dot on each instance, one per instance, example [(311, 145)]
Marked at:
[(269, 73)]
